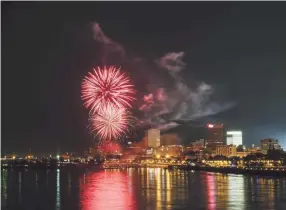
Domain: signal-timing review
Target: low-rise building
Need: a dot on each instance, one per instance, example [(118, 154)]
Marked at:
[(226, 150), (169, 151), (269, 144), (242, 154), (253, 150), (199, 145)]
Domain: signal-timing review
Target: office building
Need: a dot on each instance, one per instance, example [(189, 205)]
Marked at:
[(215, 135), (269, 144), (153, 138), (226, 150), (234, 138)]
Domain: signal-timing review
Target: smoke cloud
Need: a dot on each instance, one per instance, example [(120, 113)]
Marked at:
[(162, 106), (110, 47), (172, 62)]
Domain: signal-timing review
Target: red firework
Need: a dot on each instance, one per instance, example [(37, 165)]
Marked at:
[(110, 122), (107, 86)]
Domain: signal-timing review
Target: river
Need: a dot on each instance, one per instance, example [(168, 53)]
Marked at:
[(143, 188)]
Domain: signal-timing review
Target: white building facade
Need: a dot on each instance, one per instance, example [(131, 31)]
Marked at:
[(234, 138)]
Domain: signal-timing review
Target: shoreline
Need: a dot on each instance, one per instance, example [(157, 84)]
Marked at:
[(227, 170), (276, 172)]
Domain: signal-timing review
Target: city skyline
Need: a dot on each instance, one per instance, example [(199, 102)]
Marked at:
[(42, 108)]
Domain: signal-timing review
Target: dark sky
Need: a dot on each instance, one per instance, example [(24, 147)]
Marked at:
[(47, 48)]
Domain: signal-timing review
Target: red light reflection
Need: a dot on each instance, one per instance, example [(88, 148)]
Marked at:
[(106, 190), (211, 192)]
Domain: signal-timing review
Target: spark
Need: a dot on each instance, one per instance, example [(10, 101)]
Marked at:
[(106, 87), (110, 122)]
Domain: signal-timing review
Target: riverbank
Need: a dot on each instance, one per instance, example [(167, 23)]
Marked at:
[(233, 170), (279, 172)]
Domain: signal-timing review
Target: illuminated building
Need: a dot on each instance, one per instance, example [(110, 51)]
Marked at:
[(215, 135), (153, 138), (189, 148), (242, 154), (234, 138), (253, 149), (169, 139), (269, 144), (199, 145), (226, 150), (66, 157), (169, 151)]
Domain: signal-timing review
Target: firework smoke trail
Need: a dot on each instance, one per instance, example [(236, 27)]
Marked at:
[(110, 47), (110, 122), (161, 106), (107, 87), (182, 103)]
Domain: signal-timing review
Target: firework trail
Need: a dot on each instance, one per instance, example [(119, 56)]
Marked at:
[(107, 87)]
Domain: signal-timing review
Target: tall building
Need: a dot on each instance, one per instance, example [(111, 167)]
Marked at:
[(226, 150), (234, 137), (153, 138), (215, 135), (269, 144)]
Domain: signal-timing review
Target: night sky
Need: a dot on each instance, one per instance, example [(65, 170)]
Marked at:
[(47, 48)]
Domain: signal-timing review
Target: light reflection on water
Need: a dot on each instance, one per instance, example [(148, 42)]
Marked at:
[(133, 189), (106, 190), (58, 191)]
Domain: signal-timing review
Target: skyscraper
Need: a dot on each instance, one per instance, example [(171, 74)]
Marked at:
[(215, 135), (234, 138)]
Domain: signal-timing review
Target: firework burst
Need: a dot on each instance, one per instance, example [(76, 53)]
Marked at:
[(105, 87), (110, 122)]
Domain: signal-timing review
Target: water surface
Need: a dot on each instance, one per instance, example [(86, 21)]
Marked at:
[(134, 189)]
